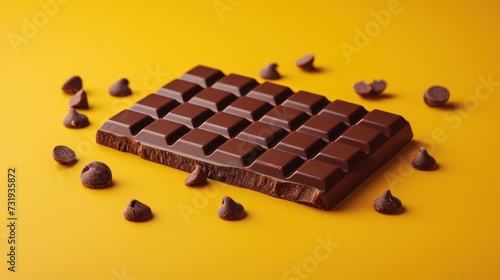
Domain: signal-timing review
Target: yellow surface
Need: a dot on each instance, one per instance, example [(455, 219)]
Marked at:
[(67, 231)]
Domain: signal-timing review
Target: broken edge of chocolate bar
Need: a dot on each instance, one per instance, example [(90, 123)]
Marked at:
[(295, 146)]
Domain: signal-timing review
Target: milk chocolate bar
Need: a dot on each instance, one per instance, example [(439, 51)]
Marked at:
[(295, 146)]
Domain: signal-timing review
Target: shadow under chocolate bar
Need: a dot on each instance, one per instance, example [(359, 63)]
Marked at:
[(296, 146)]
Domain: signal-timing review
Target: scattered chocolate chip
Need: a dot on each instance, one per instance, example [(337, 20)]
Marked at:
[(137, 211), (231, 210), (306, 63), (73, 85), (63, 155), (378, 86), (436, 96), (196, 177), (424, 161), (75, 119), (374, 88), (362, 88), (79, 100), (388, 204), (96, 175), (270, 72), (120, 88)]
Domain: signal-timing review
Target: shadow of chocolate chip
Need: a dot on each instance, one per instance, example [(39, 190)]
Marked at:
[(120, 88), (73, 85)]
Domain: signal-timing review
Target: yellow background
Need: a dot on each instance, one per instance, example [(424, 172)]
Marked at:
[(66, 231)]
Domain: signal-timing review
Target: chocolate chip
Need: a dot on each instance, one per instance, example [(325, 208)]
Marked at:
[(75, 119), (63, 155), (196, 177), (96, 175), (306, 63), (374, 88), (270, 72), (362, 88), (73, 85), (120, 88), (137, 211), (436, 96), (231, 210), (378, 86), (424, 161), (388, 204), (79, 100)]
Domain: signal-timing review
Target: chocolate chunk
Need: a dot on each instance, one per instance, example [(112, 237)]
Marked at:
[(196, 177), (344, 111), (189, 115), (137, 211), (203, 76), (64, 155), (213, 99), (271, 93), (378, 86), (227, 125), (249, 108), (120, 88), (424, 161), (326, 128), (236, 84), (79, 100), (296, 146), (388, 204), (270, 72), (73, 85), (306, 63), (308, 102), (263, 134), (302, 144), (436, 96), (231, 210), (155, 105), (96, 175), (179, 90), (285, 117), (75, 119)]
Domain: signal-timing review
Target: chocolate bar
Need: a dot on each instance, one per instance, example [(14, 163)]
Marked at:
[(295, 146)]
